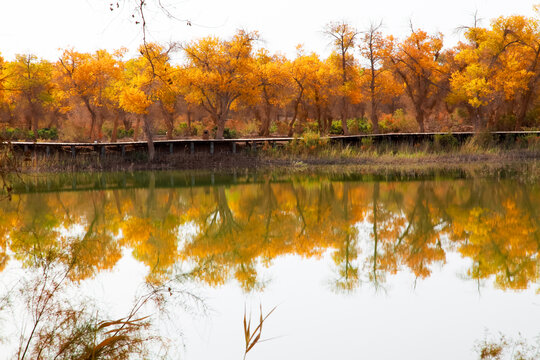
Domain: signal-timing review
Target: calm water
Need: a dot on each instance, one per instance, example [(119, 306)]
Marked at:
[(358, 267)]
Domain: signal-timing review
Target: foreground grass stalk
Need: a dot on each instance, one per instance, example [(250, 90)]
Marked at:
[(253, 337)]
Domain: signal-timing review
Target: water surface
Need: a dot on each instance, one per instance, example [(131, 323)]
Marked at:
[(359, 266)]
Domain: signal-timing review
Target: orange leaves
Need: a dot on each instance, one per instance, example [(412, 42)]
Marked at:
[(499, 65), (418, 61), (89, 75), (134, 100), (219, 73), (90, 80), (147, 80)]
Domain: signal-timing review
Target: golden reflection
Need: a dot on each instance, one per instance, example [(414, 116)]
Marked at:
[(230, 231)]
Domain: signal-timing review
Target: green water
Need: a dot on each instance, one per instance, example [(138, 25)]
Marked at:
[(359, 266)]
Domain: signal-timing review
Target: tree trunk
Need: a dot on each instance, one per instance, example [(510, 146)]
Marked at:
[(524, 107), (531, 87), (126, 121), (34, 114), (220, 123), (136, 128), (92, 124), (149, 137), (319, 118), (28, 120), (374, 118), (266, 120), (114, 135), (170, 125), (35, 125), (344, 126), (420, 118), (293, 120), (344, 116), (189, 121), (92, 118), (100, 121)]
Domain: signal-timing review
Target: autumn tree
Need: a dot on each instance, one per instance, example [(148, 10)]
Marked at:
[(29, 86), (218, 73), (418, 61), (303, 72), (376, 81), (344, 38), (273, 84), (169, 99), (498, 71), (322, 90), (88, 78), (473, 81), (147, 82), (4, 107)]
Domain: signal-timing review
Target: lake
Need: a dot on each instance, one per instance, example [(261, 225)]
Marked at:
[(350, 265)]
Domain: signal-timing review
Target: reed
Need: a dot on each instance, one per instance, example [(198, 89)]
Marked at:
[(253, 337)]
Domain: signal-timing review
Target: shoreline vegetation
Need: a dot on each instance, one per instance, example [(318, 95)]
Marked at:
[(308, 153)]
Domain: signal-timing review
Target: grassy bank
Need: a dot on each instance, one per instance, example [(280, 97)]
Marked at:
[(309, 152)]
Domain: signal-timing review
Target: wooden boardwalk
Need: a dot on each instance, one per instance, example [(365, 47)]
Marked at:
[(234, 145)]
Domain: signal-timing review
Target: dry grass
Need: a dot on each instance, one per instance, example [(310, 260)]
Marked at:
[(253, 337), (308, 153)]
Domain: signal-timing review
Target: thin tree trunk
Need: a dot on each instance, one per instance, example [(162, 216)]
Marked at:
[(170, 125), (293, 120), (344, 112), (266, 120), (92, 118), (420, 118), (189, 121), (374, 118), (149, 137), (136, 128), (114, 135), (100, 121), (523, 110)]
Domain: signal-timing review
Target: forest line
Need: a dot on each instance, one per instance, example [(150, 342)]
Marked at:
[(370, 83)]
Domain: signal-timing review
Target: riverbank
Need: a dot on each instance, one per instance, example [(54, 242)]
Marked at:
[(373, 160), (429, 151)]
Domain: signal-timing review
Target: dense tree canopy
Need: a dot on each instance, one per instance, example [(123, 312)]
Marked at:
[(370, 82)]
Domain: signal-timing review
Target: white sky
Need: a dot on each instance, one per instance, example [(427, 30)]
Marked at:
[(42, 27)]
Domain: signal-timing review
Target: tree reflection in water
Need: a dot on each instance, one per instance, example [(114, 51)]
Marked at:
[(371, 229)]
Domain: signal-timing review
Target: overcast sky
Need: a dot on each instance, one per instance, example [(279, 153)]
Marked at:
[(42, 27)]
